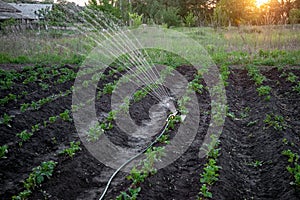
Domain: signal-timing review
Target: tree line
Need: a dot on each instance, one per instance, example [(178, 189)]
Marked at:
[(203, 12)]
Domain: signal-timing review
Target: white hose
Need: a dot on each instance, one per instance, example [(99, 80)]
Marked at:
[(140, 153)]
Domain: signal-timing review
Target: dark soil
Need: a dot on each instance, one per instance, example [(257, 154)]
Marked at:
[(84, 177)]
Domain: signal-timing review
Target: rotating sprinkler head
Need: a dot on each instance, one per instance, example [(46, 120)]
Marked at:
[(168, 103)]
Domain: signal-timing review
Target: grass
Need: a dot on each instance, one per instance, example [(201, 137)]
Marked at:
[(264, 45)]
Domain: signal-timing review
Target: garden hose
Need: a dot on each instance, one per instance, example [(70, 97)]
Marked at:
[(171, 116)]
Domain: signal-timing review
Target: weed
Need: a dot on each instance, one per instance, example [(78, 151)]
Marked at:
[(74, 147), (3, 151)]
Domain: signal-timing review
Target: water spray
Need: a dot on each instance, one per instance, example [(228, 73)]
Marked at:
[(168, 103)]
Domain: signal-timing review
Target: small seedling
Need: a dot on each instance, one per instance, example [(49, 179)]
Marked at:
[(52, 119), (292, 77), (275, 121), (65, 116), (256, 163), (95, 132), (3, 151), (74, 147), (24, 136), (6, 119)]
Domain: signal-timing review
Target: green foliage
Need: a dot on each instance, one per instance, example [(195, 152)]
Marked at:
[(95, 132), (275, 121), (256, 163), (211, 169), (295, 168), (292, 77), (136, 19), (74, 147), (36, 177), (294, 16), (190, 19), (53, 119), (264, 91), (109, 88), (255, 74), (133, 194), (6, 119), (65, 116), (170, 16), (105, 6), (297, 87), (3, 151), (24, 136), (196, 85), (205, 192)]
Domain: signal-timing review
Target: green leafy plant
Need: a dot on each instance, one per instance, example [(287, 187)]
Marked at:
[(292, 77), (295, 168), (24, 107), (53, 119), (255, 74), (65, 116), (109, 88), (205, 192), (256, 163), (196, 85), (264, 91), (275, 121), (3, 151), (95, 132), (36, 177), (136, 19), (211, 169), (6, 119), (24, 136), (35, 128), (296, 88), (74, 147)]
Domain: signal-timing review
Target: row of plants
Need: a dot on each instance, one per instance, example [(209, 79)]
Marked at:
[(64, 75), (25, 135), (211, 169), (294, 165), (36, 105), (292, 78), (145, 168), (35, 179), (258, 78), (28, 74)]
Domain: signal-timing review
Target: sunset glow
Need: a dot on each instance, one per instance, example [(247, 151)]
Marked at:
[(261, 2)]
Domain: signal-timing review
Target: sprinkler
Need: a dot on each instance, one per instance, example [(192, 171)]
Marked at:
[(167, 103)]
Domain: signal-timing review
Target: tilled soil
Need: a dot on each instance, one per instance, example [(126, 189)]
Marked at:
[(242, 144)]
